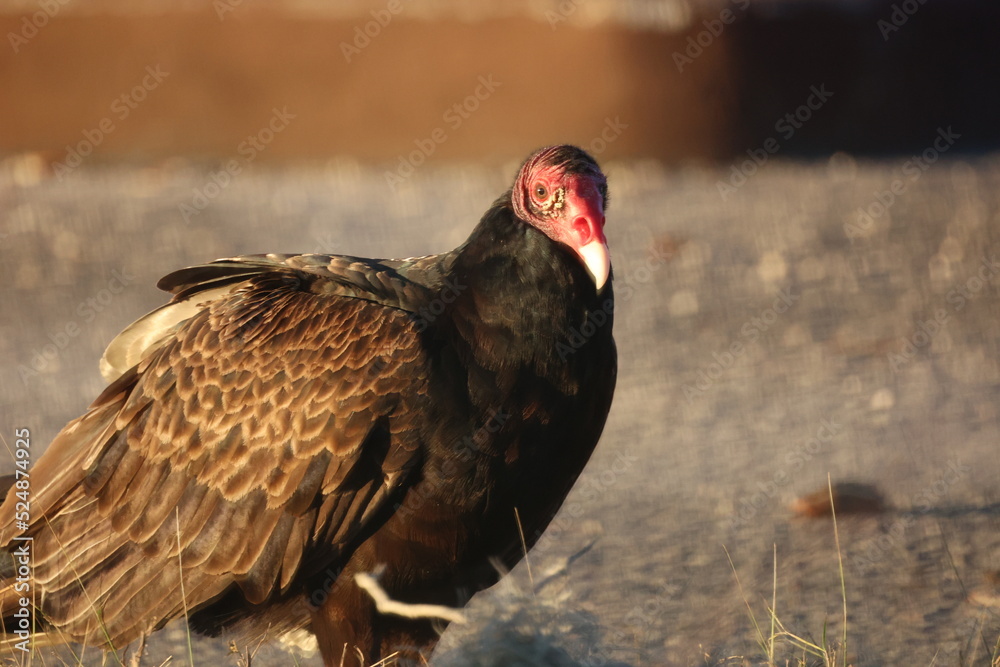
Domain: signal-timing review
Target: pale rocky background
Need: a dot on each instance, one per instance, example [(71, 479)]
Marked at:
[(883, 370)]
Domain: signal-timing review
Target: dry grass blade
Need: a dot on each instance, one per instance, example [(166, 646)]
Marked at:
[(524, 548), (840, 564), (765, 645), (180, 567), (98, 614), (779, 633)]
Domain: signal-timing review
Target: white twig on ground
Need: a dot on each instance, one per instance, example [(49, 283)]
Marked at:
[(387, 605)]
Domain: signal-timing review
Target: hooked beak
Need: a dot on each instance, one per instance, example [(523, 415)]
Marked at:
[(585, 215), (597, 260)]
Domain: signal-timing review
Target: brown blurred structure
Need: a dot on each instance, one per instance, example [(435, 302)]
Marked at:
[(385, 84)]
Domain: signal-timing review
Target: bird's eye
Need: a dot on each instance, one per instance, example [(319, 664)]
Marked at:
[(541, 192)]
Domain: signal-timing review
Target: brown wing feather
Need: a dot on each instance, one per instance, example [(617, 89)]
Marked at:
[(232, 452)]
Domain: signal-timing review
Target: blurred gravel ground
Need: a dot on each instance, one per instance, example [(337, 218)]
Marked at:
[(726, 411)]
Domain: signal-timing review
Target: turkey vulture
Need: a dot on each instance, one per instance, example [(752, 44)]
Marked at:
[(287, 422)]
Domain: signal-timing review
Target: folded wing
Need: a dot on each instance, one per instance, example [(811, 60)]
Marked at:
[(255, 427)]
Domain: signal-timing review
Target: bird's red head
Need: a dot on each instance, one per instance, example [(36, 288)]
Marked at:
[(561, 191)]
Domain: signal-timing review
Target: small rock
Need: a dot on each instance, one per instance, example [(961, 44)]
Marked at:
[(665, 247), (987, 595), (883, 399), (940, 270), (796, 335), (683, 303), (848, 498), (951, 249), (772, 267)]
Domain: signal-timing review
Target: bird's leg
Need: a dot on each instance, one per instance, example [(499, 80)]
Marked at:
[(343, 627), (410, 642), (350, 619)]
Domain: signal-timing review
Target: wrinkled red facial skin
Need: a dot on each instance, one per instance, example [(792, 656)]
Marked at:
[(584, 211), (572, 209)]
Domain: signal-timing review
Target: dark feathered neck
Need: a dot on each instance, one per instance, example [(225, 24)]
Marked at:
[(517, 264), (520, 294)]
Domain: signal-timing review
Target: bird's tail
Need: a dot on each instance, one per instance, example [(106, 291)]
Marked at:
[(21, 627), (54, 482), (14, 615)]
